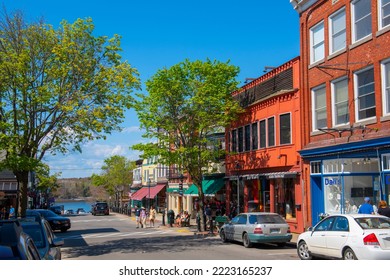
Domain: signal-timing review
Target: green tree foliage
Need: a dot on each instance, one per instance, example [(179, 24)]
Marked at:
[(117, 172), (58, 88), (186, 104)]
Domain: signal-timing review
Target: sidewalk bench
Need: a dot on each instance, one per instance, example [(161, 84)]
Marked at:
[(220, 221)]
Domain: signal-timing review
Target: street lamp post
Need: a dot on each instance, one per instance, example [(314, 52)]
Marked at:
[(181, 177), (148, 194)]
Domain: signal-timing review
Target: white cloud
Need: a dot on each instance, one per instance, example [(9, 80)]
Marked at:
[(76, 165), (131, 129)]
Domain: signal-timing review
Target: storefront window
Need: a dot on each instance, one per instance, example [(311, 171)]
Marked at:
[(285, 198), (345, 192)]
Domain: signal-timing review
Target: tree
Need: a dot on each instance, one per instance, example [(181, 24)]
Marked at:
[(186, 104), (117, 173), (58, 88)]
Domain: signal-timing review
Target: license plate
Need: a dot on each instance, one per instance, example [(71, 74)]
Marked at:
[(275, 230)]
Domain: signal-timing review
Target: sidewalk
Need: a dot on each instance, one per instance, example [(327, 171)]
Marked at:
[(193, 229)]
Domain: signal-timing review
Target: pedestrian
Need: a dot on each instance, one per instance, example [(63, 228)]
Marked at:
[(152, 216), (366, 207), (137, 215), (383, 209), (11, 212), (142, 217)]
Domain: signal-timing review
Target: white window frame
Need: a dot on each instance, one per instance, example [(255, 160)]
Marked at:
[(317, 29), (381, 15), (356, 93), (314, 107), (340, 32), (335, 104), (385, 66), (355, 21)]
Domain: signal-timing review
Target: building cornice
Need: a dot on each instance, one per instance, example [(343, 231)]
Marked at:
[(302, 5)]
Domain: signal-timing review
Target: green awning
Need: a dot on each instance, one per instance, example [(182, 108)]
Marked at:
[(172, 190), (209, 187)]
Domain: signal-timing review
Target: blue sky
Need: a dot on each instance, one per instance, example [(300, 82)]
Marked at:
[(155, 34)]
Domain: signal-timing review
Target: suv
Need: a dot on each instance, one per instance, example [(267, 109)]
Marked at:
[(100, 208)]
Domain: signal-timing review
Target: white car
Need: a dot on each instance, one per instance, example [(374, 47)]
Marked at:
[(348, 237)]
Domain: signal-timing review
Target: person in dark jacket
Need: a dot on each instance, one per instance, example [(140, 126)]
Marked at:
[(383, 209)]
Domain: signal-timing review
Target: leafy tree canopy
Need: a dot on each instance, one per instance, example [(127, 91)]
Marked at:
[(185, 104), (58, 88), (116, 172)]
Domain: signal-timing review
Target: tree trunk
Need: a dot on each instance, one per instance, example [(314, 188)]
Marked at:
[(201, 210), (21, 195)]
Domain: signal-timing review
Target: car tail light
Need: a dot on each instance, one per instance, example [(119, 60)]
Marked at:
[(371, 239), (258, 231), (288, 230)]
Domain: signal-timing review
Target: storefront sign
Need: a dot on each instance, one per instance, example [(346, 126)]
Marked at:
[(332, 181)]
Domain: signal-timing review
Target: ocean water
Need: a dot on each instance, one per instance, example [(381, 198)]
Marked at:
[(75, 204)]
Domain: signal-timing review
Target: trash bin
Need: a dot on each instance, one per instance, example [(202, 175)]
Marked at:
[(171, 217)]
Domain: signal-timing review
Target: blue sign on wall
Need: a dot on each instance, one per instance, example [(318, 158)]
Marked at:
[(332, 181)]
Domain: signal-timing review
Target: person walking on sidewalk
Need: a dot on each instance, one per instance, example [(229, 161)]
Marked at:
[(137, 215), (143, 217), (152, 216)]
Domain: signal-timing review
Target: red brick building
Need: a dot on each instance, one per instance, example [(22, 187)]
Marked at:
[(263, 167), (345, 101)]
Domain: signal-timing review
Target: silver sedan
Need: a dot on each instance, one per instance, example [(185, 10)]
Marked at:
[(256, 227)]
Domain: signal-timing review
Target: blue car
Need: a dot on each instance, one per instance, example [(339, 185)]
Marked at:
[(49, 245), (16, 244)]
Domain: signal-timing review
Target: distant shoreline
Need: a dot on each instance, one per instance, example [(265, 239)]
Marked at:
[(88, 199)]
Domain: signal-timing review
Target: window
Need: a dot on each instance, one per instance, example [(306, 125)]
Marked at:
[(234, 140), (319, 108), (271, 132), (337, 31), (361, 19), (317, 42), (263, 139), (340, 101), (240, 139), (315, 167), (386, 87), (285, 129), (247, 138), (255, 137), (386, 162), (364, 94), (384, 13)]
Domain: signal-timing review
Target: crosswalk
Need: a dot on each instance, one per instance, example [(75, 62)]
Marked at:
[(120, 234)]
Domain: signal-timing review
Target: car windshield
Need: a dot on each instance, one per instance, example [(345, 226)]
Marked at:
[(373, 222), (35, 231), (266, 219)]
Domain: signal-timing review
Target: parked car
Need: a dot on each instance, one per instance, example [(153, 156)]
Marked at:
[(49, 245), (256, 227), (56, 222), (16, 244), (69, 212), (81, 211), (348, 237), (100, 208), (58, 209)]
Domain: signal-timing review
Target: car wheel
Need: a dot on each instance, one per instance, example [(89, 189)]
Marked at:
[(349, 254), (246, 241), (222, 234), (303, 251)]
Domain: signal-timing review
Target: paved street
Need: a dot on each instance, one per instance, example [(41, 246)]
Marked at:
[(116, 237)]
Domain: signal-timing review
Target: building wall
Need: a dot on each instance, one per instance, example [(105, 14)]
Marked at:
[(251, 173), (343, 143)]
